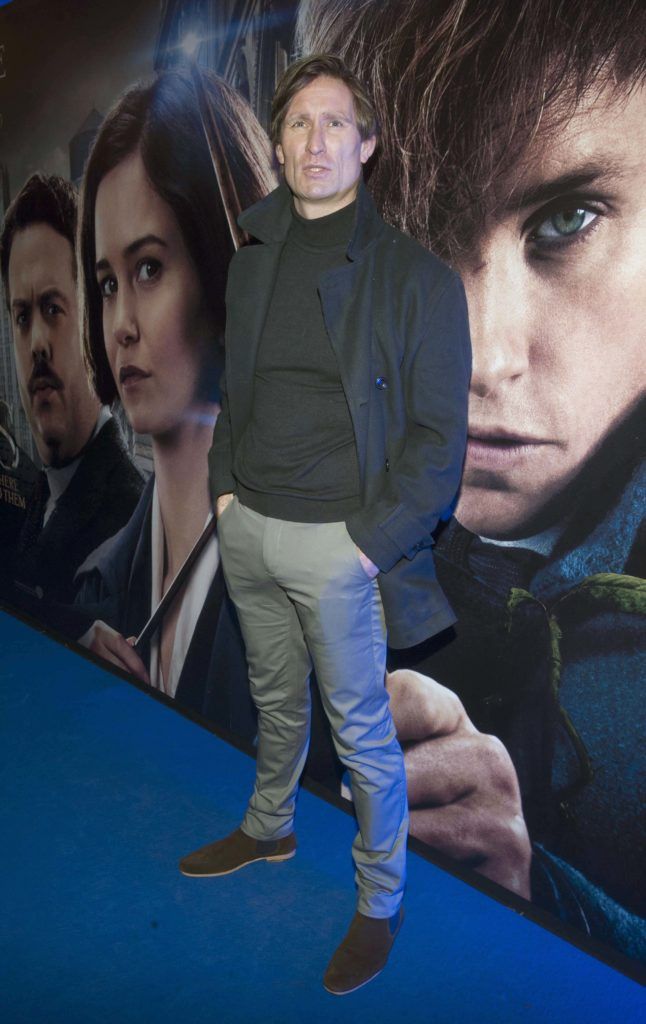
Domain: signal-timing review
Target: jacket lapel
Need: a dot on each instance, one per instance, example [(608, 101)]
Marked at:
[(252, 276), (347, 313), (251, 280)]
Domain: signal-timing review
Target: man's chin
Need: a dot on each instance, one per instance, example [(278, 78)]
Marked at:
[(50, 444), (498, 515)]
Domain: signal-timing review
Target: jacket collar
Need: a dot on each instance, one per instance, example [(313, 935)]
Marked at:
[(270, 219)]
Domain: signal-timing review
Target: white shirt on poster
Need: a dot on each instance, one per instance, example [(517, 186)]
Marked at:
[(193, 600)]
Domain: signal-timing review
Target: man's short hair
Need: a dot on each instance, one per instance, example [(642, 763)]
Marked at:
[(306, 70), (463, 87), (42, 200)]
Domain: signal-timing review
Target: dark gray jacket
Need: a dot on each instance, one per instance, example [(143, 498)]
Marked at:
[(99, 500), (397, 321)]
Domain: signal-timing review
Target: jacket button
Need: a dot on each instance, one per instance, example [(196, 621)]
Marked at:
[(387, 464), (381, 383)]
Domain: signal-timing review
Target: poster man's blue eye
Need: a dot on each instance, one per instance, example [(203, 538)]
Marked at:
[(564, 223)]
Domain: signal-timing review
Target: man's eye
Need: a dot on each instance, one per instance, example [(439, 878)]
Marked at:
[(21, 319), (108, 286), (564, 223), (52, 309), (147, 270)]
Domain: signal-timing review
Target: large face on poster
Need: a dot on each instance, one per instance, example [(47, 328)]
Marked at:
[(514, 147)]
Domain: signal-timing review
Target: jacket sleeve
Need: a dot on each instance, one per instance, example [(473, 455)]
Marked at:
[(571, 897), (221, 479), (424, 477)]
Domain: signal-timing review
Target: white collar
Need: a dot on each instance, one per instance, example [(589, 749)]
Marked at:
[(193, 600), (542, 543), (60, 477)]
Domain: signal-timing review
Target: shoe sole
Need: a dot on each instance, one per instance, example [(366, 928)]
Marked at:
[(275, 859), (347, 991)]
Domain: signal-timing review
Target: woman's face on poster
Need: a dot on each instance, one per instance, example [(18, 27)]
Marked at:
[(557, 307), (155, 325)]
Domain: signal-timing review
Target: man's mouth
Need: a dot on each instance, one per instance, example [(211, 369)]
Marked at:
[(44, 386), (315, 169), (498, 447)]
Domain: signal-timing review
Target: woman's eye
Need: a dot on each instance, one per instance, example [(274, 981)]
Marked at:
[(564, 223), (108, 286), (148, 269)]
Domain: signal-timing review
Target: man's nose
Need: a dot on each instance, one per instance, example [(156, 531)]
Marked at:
[(499, 310), (41, 347), (315, 139)]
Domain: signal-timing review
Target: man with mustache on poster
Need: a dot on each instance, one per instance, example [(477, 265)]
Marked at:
[(514, 146), (339, 444), (89, 486)]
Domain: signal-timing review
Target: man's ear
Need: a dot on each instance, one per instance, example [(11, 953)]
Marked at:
[(368, 148), (280, 156)]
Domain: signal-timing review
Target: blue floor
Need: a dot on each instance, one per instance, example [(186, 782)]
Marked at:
[(104, 788)]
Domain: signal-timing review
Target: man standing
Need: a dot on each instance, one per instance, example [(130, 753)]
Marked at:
[(89, 486), (339, 445)]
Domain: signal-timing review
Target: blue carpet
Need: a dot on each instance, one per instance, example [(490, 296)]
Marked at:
[(104, 788)]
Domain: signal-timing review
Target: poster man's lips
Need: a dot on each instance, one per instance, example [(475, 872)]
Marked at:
[(500, 450), (500, 437), (44, 384)]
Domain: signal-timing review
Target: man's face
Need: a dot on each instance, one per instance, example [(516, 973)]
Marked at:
[(320, 149), (557, 306), (54, 390)]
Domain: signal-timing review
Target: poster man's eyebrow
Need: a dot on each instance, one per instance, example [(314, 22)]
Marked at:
[(574, 179), (52, 293), (48, 295)]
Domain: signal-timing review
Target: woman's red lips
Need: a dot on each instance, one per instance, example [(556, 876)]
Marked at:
[(131, 374)]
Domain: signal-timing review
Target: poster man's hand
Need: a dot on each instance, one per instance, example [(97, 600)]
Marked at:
[(462, 786)]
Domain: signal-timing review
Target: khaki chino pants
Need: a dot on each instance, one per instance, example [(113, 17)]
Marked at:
[(303, 598)]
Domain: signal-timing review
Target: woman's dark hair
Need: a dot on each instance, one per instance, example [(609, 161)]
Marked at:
[(162, 122)]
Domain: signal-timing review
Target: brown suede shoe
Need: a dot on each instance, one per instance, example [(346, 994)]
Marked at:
[(228, 855), (363, 953)]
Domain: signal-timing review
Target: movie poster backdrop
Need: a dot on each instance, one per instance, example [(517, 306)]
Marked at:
[(514, 146)]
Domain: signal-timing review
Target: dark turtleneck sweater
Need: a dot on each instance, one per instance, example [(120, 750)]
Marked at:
[(297, 459)]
